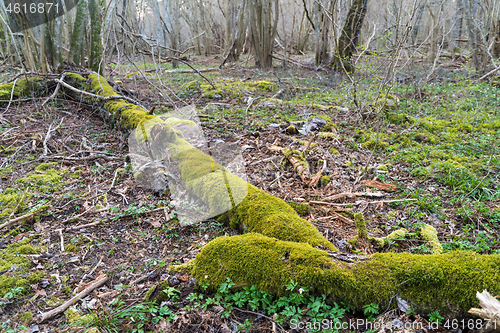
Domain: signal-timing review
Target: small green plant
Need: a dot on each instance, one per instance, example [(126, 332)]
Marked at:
[(14, 292), (370, 310), (435, 317)]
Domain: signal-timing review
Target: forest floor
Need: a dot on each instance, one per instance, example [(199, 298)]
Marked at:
[(431, 143)]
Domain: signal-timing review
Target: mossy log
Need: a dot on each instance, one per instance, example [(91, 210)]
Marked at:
[(445, 282), (282, 246)]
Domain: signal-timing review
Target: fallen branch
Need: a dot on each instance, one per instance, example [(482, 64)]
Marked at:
[(297, 160), (317, 177), (54, 312), (24, 217), (99, 97), (354, 195)]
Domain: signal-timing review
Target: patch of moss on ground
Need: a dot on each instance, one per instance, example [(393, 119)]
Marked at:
[(15, 267)]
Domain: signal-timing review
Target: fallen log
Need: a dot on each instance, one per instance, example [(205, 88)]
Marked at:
[(445, 282), (284, 246)]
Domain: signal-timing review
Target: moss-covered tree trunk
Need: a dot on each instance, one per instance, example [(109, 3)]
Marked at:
[(76, 43), (346, 45), (279, 245)]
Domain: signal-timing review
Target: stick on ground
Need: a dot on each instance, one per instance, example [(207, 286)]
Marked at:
[(54, 312)]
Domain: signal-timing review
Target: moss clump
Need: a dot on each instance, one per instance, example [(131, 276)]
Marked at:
[(265, 214), (26, 318), (329, 126), (334, 151), (327, 135), (15, 266), (325, 180), (265, 85), (396, 118), (214, 93), (156, 293), (300, 208), (27, 249), (13, 201), (21, 88), (429, 233), (71, 248), (387, 103), (382, 167), (361, 226), (446, 282), (35, 277), (291, 130), (192, 85), (306, 142)]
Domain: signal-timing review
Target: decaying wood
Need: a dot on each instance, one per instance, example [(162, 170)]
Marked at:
[(490, 311), (380, 186), (54, 312), (354, 195), (317, 177), (302, 170)]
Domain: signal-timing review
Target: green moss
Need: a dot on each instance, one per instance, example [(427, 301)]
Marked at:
[(26, 318), (45, 166), (34, 278), (429, 233), (212, 92), (265, 85), (13, 201), (71, 248), (389, 102), (192, 85), (263, 213), (325, 180), (306, 142), (291, 130), (327, 135), (54, 301), (27, 249), (156, 293), (361, 226), (131, 75), (300, 208), (16, 266), (334, 151), (447, 282), (382, 167), (396, 118), (330, 125), (21, 88), (391, 215)]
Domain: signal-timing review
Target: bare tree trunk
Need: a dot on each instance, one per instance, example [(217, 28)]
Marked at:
[(470, 32), (418, 19), (348, 40), (263, 28), (95, 58)]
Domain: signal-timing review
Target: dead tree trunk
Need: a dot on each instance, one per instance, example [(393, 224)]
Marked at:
[(346, 45)]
